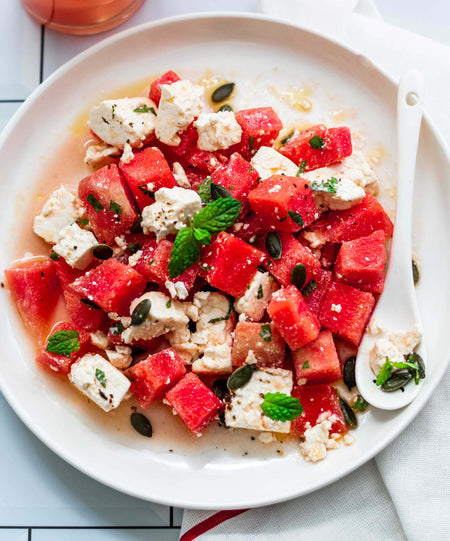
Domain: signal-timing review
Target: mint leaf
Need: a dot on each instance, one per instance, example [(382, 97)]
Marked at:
[(64, 343), (115, 207), (100, 375), (266, 332), (296, 217), (94, 202), (385, 373), (226, 316), (260, 293), (185, 252), (309, 288), (116, 328), (288, 136), (82, 221), (301, 168), (54, 255), (317, 142), (203, 236), (146, 191), (305, 365), (218, 215), (360, 404), (133, 248), (281, 407), (327, 186), (204, 190), (144, 109)]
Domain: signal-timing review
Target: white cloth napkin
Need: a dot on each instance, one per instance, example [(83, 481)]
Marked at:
[(404, 493)]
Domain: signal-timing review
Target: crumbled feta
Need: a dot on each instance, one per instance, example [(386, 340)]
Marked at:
[(217, 130), (381, 350), (344, 192), (62, 208), (117, 123), (176, 289), (75, 246), (266, 437), (406, 341), (133, 259), (98, 153), (316, 440), (99, 339), (99, 380), (256, 298), (376, 327), (243, 409), (173, 208), (336, 308), (120, 357), (180, 103), (314, 240), (127, 154), (180, 176), (267, 162)]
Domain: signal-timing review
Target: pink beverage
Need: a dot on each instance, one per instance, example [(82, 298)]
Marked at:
[(81, 16)]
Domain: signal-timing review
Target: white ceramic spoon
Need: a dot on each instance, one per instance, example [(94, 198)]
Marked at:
[(397, 307)]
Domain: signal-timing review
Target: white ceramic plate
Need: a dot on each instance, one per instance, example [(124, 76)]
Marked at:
[(256, 52)]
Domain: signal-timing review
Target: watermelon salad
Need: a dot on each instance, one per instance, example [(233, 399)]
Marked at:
[(215, 264)]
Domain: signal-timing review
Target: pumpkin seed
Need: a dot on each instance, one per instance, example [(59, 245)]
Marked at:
[(349, 373), (222, 92), (102, 251), (415, 271), (349, 415), (240, 377), (220, 388), (416, 358), (298, 275), (91, 304), (137, 227), (219, 192), (273, 245), (309, 288), (225, 108), (140, 313), (141, 424), (399, 379)]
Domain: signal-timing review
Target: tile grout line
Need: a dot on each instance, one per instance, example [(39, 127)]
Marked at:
[(29, 534), (41, 66), (171, 516)]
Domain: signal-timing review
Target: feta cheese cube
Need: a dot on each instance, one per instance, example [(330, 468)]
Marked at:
[(99, 380), (243, 409), (62, 208), (180, 176), (127, 154), (255, 300), (117, 122), (335, 193), (75, 246), (267, 161), (120, 357), (180, 103), (99, 339), (382, 350), (98, 154), (317, 440), (173, 208), (176, 289), (217, 130)]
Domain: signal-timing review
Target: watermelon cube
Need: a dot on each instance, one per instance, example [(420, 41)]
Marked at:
[(108, 202), (147, 167), (230, 263), (155, 88), (112, 286), (154, 376), (82, 315), (284, 203), (292, 317), (358, 221), (360, 263), (204, 160), (317, 401), (61, 363), (293, 252), (35, 289), (237, 176), (314, 291), (328, 254), (195, 176), (196, 405), (319, 146), (317, 362), (345, 311), (263, 339), (249, 228), (260, 127)]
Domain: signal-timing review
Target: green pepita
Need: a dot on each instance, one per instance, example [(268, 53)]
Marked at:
[(415, 271), (349, 415), (399, 379), (296, 217), (222, 92), (141, 424), (349, 373), (140, 313), (417, 359), (102, 251), (220, 388), (225, 108), (240, 377), (90, 303), (298, 275), (219, 192), (273, 245)]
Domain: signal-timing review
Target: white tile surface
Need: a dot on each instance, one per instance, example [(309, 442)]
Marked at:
[(104, 535), (13, 535)]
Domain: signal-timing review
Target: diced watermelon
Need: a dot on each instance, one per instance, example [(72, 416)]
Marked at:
[(249, 228), (284, 203), (360, 263), (314, 291), (317, 400), (231, 263), (328, 254), (292, 317), (60, 363), (195, 176), (147, 166), (83, 316), (293, 252), (108, 202), (154, 261), (237, 176), (155, 88), (206, 161), (317, 362), (345, 311), (35, 289), (358, 221), (112, 286), (263, 339), (188, 141), (260, 127), (153, 377), (196, 405), (337, 144)]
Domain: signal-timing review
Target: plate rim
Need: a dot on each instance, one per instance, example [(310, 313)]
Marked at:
[(41, 433)]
